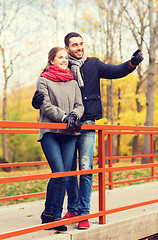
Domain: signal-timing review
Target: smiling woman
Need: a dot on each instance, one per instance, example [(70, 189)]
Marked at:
[(61, 59), (62, 103), (58, 57)]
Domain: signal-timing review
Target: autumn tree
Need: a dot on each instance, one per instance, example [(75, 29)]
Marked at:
[(137, 24), (12, 52), (111, 38), (105, 30), (8, 56), (153, 29), (75, 6)]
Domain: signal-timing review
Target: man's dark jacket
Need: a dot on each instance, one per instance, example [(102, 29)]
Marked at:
[(92, 71)]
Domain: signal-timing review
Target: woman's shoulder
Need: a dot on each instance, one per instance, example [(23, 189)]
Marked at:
[(43, 80), (73, 82), (40, 78)]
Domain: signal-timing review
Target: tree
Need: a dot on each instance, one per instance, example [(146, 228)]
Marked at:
[(110, 14), (153, 26), (137, 22), (11, 51), (8, 57)]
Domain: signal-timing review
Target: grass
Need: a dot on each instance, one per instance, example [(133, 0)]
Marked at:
[(19, 188), (28, 187)]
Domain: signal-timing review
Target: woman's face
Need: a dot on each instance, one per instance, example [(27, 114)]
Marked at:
[(61, 59)]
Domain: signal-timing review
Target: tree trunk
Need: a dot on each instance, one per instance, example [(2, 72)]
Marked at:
[(108, 102), (112, 117), (139, 109), (4, 144), (4, 113), (118, 119), (4, 159), (135, 147), (150, 84)]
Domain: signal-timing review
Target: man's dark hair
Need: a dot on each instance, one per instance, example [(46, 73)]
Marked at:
[(70, 35)]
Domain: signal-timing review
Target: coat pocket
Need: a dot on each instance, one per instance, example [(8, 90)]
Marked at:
[(92, 105)]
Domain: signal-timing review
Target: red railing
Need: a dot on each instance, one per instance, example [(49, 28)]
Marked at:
[(9, 127)]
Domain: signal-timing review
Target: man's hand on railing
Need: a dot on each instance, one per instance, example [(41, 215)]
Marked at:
[(78, 126), (72, 122)]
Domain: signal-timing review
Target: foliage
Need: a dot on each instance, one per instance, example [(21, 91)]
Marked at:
[(22, 147), (127, 87), (28, 187)]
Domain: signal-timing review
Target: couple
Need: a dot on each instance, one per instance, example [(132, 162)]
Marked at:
[(59, 99)]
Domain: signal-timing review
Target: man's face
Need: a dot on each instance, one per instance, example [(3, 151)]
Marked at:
[(76, 47)]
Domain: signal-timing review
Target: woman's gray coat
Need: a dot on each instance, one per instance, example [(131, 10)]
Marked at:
[(60, 98)]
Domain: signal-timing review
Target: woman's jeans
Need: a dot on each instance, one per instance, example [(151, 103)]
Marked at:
[(59, 151), (79, 197)]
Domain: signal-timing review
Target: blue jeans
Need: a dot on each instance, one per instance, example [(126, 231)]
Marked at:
[(79, 196), (59, 151)]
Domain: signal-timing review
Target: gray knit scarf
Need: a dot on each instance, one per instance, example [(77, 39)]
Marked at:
[(75, 68)]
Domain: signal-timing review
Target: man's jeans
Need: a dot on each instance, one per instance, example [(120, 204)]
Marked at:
[(59, 150), (79, 197)]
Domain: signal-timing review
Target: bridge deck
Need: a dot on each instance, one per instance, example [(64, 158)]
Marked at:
[(131, 224)]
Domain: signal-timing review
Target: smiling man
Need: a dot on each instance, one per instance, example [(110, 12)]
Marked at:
[(88, 72), (75, 47)]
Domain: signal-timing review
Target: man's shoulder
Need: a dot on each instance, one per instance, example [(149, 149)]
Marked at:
[(91, 62), (91, 59)]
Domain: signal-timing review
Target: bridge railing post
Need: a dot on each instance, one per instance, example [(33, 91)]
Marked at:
[(101, 158), (110, 162), (152, 152)]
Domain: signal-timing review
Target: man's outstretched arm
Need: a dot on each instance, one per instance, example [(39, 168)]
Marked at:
[(110, 71)]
